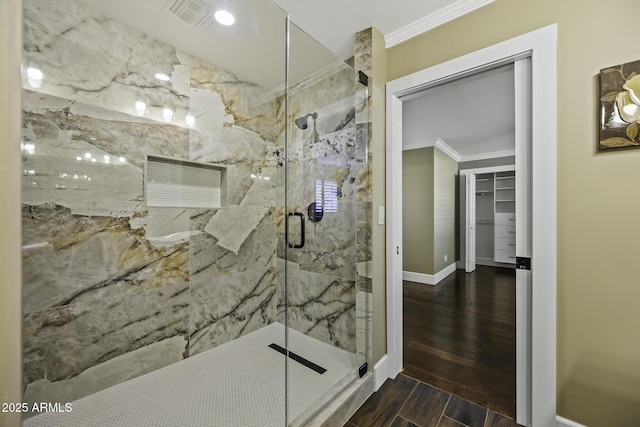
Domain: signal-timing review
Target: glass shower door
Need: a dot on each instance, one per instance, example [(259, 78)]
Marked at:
[(324, 169), (150, 212)]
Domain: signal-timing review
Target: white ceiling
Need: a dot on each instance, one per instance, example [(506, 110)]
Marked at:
[(334, 22), (473, 115)]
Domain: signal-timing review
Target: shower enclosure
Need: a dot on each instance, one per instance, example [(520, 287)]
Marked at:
[(189, 215)]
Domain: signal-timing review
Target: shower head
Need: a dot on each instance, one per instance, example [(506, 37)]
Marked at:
[(302, 122)]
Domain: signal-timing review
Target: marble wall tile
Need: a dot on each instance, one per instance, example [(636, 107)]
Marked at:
[(63, 126), (263, 190), (62, 343), (243, 101), (70, 259), (226, 307), (163, 226), (112, 67), (325, 95), (321, 306), (208, 260), (364, 317), (361, 168), (74, 155), (364, 215), (232, 226), (363, 49), (106, 374), (241, 151), (329, 244)]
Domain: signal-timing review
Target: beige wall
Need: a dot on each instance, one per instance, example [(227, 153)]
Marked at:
[(417, 210), (10, 275), (598, 194), (444, 210), (377, 111), (429, 210)]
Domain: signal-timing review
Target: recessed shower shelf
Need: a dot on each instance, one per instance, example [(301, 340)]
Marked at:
[(180, 183)]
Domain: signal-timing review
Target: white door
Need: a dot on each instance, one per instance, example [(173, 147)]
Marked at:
[(470, 223), (522, 74)]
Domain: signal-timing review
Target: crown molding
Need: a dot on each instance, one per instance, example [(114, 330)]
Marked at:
[(429, 22), (446, 149), (485, 156), (440, 144)]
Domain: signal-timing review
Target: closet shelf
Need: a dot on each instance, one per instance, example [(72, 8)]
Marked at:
[(485, 221)]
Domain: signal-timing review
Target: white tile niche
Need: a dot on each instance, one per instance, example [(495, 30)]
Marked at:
[(176, 183)]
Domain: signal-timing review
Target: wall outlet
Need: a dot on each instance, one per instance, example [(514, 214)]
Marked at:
[(446, 257)]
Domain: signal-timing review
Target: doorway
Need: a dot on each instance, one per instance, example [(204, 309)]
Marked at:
[(536, 371), (459, 329)]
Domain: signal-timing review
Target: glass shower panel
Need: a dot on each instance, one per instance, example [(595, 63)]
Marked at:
[(323, 171), (159, 311)]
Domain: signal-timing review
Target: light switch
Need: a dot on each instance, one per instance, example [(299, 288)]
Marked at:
[(380, 215)]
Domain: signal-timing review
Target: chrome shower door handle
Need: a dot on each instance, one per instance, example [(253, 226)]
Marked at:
[(299, 214)]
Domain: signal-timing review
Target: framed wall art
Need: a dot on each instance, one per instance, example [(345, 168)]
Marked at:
[(620, 107)]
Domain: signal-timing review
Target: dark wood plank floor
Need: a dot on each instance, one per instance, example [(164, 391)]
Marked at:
[(459, 336), (407, 402)]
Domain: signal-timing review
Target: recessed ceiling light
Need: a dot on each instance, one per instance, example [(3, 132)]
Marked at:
[(224, 17), (163, 77)]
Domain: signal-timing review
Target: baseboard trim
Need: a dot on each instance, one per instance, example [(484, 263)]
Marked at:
[(445, 272), (380, 372), (429, 279), (563, 422)]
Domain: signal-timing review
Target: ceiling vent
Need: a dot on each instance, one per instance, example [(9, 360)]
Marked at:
[(194, 12)]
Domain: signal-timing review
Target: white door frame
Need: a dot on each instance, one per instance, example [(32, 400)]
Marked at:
[(540, 45), (470, 223)]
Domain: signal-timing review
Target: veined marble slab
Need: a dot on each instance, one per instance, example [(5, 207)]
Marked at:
[(232, 226), (114, 65), (239, 98), (321, 306), (364, 337), (64, 125), (242, 152), (106, 374), (62, 343), (263, 190), (227, 307), (208, 260), (91, 258), (164, 226), (329, 244)]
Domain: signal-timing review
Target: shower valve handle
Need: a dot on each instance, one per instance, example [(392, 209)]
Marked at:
[(301, 245)]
